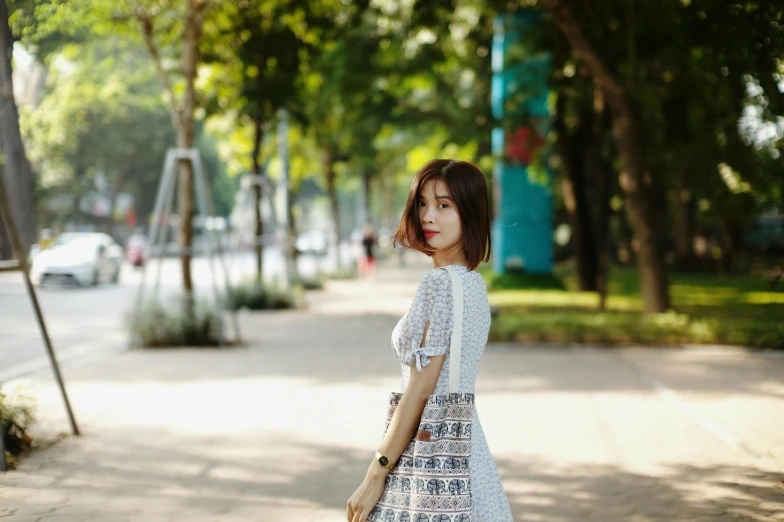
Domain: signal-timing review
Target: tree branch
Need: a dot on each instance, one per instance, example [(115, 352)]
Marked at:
[(148, 30), (569, 26)]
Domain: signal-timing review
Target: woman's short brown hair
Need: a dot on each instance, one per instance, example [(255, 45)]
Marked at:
[(468, 188)]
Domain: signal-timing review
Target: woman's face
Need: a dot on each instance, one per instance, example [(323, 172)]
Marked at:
[(438, 216)]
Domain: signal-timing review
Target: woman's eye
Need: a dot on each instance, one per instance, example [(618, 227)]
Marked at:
[(443, 205), (420, 203)]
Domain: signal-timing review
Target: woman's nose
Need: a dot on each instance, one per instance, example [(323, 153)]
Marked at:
[(428, 215)]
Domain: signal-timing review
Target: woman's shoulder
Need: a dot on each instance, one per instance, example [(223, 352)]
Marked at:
[(436, 282), (441, 274)]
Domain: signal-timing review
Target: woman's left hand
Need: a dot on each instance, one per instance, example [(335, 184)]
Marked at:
[(365, 498)]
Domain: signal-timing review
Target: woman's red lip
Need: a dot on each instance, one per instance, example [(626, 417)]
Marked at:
[(430, 233)]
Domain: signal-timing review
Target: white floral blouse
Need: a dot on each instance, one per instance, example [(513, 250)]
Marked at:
[(433, 302)]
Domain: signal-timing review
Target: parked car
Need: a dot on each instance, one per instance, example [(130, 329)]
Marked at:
[(82, 258)]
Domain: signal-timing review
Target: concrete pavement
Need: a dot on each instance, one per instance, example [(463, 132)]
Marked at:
[(283, 428)]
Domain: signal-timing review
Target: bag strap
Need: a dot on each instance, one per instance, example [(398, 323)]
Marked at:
[(456, 344)]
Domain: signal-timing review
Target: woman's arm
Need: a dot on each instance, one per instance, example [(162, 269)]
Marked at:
[(401, 429)]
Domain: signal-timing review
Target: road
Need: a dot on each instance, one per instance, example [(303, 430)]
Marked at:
[(90, 321)]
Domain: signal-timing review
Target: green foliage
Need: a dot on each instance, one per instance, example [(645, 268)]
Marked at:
[(254, 295), (98, 119), (176, 324), (704, 78), (16, 418)]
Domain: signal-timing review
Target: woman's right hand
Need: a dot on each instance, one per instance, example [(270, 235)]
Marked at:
[(365, 498)]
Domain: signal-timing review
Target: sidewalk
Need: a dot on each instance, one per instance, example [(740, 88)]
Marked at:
[(283, 428)]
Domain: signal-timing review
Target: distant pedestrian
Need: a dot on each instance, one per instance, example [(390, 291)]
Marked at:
[(433, 462), (367, 266), (135, 248)]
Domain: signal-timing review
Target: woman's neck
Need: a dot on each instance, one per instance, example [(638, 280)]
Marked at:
[(441, 259)]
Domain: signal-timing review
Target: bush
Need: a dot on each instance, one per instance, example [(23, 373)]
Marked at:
[(624, 328), (257, 296), (176, 325), (15, 420), (312, 283), (347, 272)]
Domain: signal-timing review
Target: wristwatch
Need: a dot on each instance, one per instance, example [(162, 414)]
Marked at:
[(384, 462)]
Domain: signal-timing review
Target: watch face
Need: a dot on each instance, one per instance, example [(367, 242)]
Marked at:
[(383, 460)]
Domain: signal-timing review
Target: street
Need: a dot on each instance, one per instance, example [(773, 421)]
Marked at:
[(85, 322)]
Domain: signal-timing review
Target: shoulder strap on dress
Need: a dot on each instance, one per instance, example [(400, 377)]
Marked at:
[(456, 342)]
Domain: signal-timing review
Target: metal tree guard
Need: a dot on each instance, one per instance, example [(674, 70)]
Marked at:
[(163, 203), (21, 264)]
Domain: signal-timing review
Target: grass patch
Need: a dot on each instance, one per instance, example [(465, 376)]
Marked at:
[(176, 325), (738, 310), (16, 418), (516, 280)]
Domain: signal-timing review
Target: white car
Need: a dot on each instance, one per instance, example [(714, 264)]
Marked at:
[(313, 242), (84, 258)]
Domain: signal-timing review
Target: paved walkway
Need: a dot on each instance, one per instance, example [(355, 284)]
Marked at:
[(283, 428)]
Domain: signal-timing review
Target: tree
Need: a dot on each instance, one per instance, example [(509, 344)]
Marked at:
[(636, 180), (17, 175), (181, 111), (254, 74)]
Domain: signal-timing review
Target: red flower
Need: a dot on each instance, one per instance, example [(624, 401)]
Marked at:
[(523, 145)]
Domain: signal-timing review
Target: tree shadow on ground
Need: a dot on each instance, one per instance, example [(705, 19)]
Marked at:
[(540, 490), (297, 480)]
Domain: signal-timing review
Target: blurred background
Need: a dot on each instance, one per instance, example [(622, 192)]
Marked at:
[(632, 149)]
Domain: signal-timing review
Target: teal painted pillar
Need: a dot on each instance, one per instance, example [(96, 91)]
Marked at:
[(522, 235)]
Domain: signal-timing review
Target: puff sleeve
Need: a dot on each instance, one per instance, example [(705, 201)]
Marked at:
[(432, 302)]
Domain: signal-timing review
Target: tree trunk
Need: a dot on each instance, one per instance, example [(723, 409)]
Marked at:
[(6, 249), (634, 179), (574, 151), (366, 191), (193, 28), (258, 224), (732, 242), (291, 237), (602, 170), (16, 173), (329, 170), (119, 182), (684, 217)]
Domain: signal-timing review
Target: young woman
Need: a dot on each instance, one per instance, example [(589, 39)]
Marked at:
[(448, 218)]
